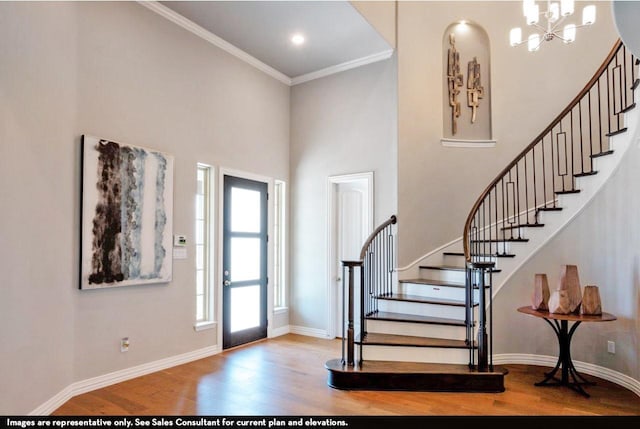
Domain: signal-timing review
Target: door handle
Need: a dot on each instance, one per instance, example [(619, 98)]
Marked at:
[(227, 282)]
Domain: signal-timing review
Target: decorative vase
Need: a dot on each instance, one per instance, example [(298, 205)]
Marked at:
[(559, 302), (570, 282), (540, 297), (591, 301)]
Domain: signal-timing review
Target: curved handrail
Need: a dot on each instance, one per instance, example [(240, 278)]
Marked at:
[(476, 206), (376, 266), (391, 221)]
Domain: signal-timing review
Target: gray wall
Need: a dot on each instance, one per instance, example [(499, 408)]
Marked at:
[(119, 71), (341, 124), (604, 242), (528, 90)]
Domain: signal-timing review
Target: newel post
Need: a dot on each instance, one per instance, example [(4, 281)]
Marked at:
[(481, 269), (350, 265)]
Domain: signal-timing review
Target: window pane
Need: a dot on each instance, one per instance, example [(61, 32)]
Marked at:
[(199, 307), (245, 307), (199, 232), (245, 206), (245, 259), (199, 257), (203, 244), (199, 206), (200, 282)]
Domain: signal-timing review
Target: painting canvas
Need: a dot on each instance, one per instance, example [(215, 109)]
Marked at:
[(127, 207)]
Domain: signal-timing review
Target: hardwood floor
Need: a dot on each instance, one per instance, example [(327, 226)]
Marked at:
[(286, 376)]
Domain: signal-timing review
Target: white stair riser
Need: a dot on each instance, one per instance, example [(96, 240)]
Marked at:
[(500, 247), (429, 291), (417, 329), (416, 354), (421, 309), (458, 261), (443, 275)]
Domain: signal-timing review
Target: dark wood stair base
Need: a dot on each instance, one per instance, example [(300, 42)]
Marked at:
[(413, 376)]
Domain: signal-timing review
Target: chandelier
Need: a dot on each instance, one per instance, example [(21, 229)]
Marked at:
[(554, 17)]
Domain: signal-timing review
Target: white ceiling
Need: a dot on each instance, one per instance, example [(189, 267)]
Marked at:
[(337, 36)]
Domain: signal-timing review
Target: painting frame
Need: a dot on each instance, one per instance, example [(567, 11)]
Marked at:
[(126, 220)]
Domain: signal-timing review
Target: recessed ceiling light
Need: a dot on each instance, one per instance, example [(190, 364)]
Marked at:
[(297, 39)]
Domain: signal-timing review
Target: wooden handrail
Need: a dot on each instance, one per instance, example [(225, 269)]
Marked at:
[(467, 226), (391, 221), (370, 285)]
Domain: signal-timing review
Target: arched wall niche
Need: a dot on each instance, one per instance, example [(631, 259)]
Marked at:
[(466, 85)]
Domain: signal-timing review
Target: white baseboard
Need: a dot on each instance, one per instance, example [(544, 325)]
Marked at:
[(94, 383), (587, 368), (283, 330), (309, 332)]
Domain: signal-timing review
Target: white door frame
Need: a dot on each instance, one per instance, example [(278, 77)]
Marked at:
[(222, 171), (332, 291)]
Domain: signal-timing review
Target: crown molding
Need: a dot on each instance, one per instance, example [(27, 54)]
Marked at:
[(199, 31), (194, 28), (380, 56)]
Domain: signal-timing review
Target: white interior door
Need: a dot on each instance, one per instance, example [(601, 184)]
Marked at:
[(351, 224)]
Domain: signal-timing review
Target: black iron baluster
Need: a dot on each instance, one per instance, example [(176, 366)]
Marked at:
[(600, 131)]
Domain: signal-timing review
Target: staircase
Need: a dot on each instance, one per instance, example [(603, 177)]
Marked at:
[(433, 331)]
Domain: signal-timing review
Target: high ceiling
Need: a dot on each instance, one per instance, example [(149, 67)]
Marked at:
[(335, 33)]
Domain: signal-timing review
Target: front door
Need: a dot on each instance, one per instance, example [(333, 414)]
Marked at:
[(244, 261)]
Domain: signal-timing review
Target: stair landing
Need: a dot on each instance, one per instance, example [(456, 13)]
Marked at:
[(413, 376)]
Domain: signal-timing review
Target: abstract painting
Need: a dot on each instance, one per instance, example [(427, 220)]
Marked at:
[(127, 207)]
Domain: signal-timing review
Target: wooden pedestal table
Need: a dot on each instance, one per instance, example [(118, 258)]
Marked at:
[(560, 325)]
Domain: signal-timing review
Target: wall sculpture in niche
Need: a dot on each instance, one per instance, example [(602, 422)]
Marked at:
[(466, 97), (127, 207)]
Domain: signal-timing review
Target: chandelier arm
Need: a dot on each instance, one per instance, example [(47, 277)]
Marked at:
[(583, 25), (539, 44), (557, 24), (539, 27)]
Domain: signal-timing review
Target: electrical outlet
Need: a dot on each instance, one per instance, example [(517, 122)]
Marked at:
[(611, 347), (124, 344)]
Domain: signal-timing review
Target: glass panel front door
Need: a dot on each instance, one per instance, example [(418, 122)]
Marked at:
[(244, 261)]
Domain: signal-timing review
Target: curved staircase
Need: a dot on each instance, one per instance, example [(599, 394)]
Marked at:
[(433, 331)]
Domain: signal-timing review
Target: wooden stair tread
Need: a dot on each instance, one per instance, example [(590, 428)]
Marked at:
[(502, 240), (454, 268), (413, 376), (443, 267), (523, 225), (493, 255), (614, 133), (608, 152), (431, 282), (486, 255), (549, 209), (585, 173), (570, 191), (421, 299), (412, 318), (378, 339)]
